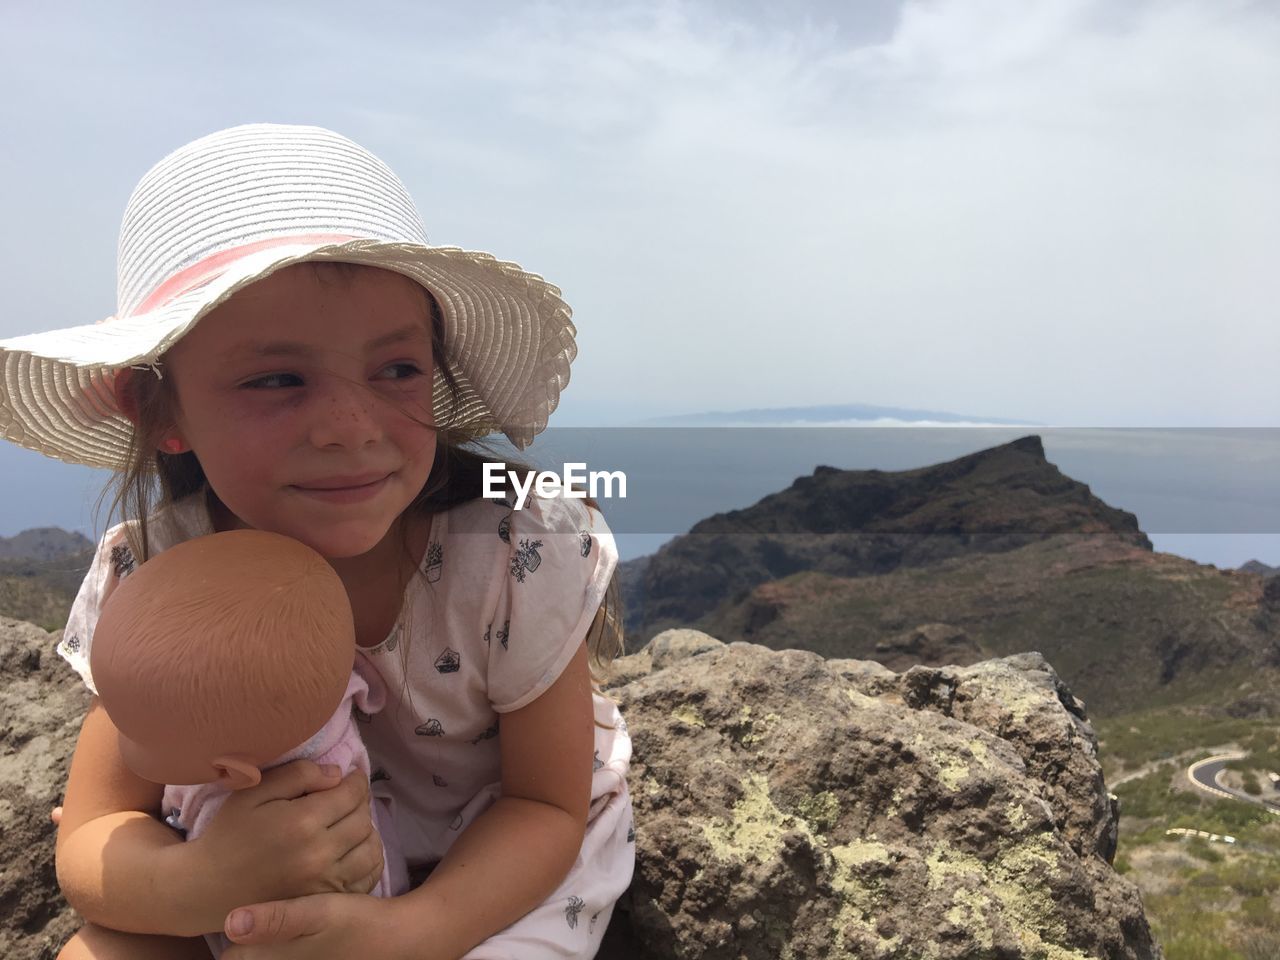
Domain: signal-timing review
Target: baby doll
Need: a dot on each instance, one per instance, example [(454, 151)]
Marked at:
[(228, 654)]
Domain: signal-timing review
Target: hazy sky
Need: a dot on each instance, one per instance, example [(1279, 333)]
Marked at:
[(1063, 211)]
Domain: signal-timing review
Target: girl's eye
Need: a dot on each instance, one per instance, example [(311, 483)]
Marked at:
[(400, 371), (273, 381)]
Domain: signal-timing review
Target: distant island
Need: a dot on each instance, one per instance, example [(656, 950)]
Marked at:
[(831, 413)]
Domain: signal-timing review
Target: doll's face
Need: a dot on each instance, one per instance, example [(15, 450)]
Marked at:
[(308, 403)]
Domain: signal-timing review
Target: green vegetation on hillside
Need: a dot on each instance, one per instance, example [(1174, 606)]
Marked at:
[(1204, 899), (1123, 628), (41, 592), (1129, 740)]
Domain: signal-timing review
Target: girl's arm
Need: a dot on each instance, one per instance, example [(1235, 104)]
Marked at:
[(117, 864), (121, 868), (519, 850)]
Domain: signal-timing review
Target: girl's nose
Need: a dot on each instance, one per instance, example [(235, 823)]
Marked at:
[(345, 414)]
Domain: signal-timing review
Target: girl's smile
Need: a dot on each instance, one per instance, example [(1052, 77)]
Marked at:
[(344, 492), (306, 397)]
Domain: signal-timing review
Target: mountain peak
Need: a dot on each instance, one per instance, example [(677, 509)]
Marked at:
[(43, 543), (1031, 444), (852, 523), (1010, 488)]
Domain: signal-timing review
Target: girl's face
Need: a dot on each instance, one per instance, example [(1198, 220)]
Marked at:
[(308, 404)]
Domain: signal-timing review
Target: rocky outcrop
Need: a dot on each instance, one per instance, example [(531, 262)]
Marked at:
[(786, 807), (929, 644), (855, 523), (1258, 567), (41, 705), (793, 807), (1125, 627)]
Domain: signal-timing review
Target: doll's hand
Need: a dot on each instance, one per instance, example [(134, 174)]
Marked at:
[(298, 832), (330, 926)]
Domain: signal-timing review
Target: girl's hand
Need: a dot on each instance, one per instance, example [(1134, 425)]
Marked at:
[(300, 831), (330, 926)]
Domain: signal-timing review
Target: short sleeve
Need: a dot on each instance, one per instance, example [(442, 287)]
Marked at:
[(559, 560), (112, 561)]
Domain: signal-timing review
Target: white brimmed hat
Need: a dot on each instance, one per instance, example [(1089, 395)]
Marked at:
[(239, 204)]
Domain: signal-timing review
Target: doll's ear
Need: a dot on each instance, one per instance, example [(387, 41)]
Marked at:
[(237, 771)]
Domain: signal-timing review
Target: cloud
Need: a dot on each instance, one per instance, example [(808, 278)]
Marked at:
[(1059, 210), (1055, 210)]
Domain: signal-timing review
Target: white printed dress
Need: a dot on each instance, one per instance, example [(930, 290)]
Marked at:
[(504, 601)]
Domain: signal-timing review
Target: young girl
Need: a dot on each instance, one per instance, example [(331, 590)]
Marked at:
[(289, 354)]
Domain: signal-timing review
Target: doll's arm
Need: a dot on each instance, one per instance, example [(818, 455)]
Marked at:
[(514, 854)]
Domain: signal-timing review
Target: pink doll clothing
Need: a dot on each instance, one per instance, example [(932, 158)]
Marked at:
[(190, 808), (504, 600)]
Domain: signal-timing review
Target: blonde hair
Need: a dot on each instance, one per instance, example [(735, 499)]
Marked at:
[(150, 479)]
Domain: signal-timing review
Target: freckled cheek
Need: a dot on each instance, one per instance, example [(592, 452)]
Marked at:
[(416, 441), (260, 420), (406, 411)]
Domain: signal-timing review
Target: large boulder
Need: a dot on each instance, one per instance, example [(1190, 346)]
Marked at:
[(792, 807), (786, 806)]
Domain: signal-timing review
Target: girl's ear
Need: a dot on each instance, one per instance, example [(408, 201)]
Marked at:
[(122, 390)]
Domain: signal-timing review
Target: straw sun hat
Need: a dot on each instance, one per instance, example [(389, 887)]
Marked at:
[(239, 204)]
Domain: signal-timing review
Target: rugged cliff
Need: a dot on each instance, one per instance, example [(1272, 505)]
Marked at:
[(977, 558), (854, 523)]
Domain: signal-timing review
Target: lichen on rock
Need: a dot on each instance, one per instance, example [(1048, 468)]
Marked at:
[(827, 809)]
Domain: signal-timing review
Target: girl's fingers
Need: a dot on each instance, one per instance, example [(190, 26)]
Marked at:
[(331, 806), (371, 881), (357, 845), (341, 834), (342, 807), (292, 781), (363, 852), (56, 815)]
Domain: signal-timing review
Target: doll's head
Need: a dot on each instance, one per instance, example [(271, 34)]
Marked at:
[(221, 654)]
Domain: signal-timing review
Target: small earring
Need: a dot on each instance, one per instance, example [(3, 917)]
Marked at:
[(173, 445)]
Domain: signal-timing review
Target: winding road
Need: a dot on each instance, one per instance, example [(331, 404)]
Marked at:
[(1206, 775)]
